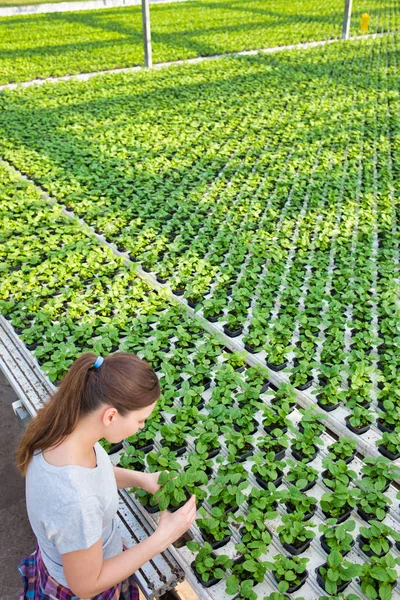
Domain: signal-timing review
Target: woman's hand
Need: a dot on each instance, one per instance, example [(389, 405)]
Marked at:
[(149, 482), (172, 526)]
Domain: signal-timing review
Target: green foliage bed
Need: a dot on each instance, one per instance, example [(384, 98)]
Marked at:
[(38, 46)]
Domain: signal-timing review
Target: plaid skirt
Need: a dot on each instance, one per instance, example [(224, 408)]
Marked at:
[(40, 585)]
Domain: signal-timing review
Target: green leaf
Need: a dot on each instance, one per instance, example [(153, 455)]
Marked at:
[(385, 591), (232, 585)]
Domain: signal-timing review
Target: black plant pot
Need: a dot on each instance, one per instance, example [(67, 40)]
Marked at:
[(277, 368), (146, 448), (178, 291), (215, 318), (356, 430), (384, 427), (301, 457), (253, 423), (193, 303), (252, 349), (385, 489), (232, 333), (206, 584), (115, 448), (388, 454), (296, 550), (327, 407), (328, 549), (291, 509), (213, 543), (321, 581), (369, 517), (178, 449), (161, 279), (305, 386), (347, 460), (362, 541), (214, 452), (309, 486), (264, 484), (294, 588), (246, 454), (151, 509), (345, 515), (264, 387), (269, 428), (188, 496), (33, 346)]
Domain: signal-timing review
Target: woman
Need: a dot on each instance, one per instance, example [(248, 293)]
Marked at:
[(71, 486)]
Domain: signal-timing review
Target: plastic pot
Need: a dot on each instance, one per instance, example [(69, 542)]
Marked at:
[(345, 515), (269, 428), (238, 428), (115, 448), (275, 367), (215, 318), (214, 452), (327, 549), (295, 587), (188, 496), (384, 427), (242, 457), (296, 550), (291, 509), (253, 350), (178, 291), (206, 584), (361, 541), (305, 385), (264, 484), (321, 581), (327, 407), (388, 454), (146, 448), (213, 543), (193, 303), (369, 517), (300, 457), (309, 486), (356, 430), (232, 332), (179, 450)]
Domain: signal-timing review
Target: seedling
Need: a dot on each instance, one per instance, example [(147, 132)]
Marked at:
[(207, 565), (337, 537), (337, 572), (374, 539), (301, 475), (343, 449), (290, 573), (378, 576), (337, 472), (214, 527), (294, 534), (131, 458)]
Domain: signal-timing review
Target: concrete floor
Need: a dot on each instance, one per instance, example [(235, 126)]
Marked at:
[(17, 539)]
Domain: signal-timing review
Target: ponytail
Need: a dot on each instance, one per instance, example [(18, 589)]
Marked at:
[(124, 380)]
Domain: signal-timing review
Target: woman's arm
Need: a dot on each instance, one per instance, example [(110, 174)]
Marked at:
[(146, 481), (87, 574)]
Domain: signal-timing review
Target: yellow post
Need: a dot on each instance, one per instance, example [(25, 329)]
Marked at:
[(364, 22)]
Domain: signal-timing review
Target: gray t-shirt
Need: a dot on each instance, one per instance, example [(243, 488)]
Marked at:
[(72, 507)]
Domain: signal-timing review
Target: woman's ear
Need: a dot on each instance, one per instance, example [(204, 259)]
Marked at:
[(109, 415)]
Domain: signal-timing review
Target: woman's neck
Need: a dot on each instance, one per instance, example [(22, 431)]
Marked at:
[(77, 448)]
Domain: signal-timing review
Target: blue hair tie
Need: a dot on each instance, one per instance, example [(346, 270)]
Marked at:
[(98, 362)]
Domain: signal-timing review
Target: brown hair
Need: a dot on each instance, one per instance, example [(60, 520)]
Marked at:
[(124, 380)]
